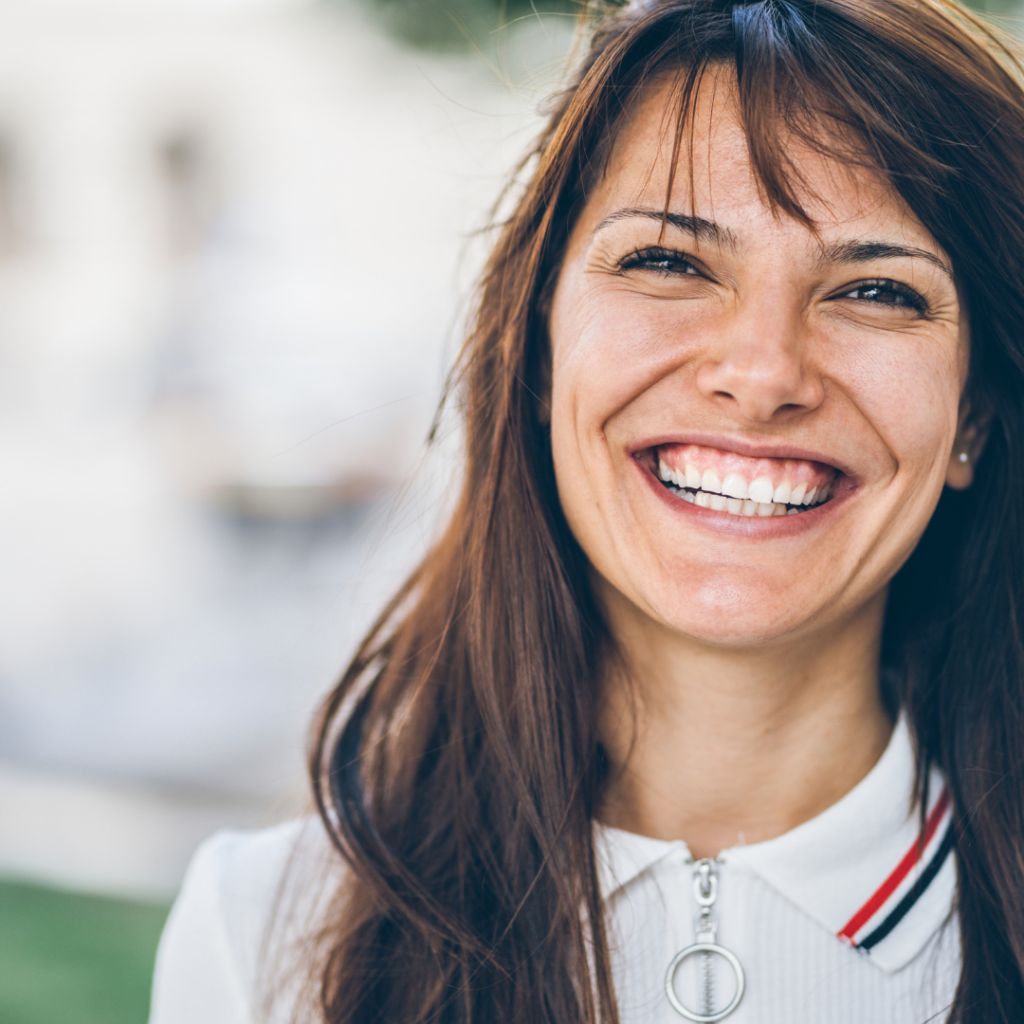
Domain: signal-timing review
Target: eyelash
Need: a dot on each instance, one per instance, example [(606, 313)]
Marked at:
[(902, 292), (649, 258)]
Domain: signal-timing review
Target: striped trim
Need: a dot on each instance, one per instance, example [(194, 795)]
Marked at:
[(891, 902)]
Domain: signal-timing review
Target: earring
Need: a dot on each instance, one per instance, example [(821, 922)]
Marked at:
[(963, 457)]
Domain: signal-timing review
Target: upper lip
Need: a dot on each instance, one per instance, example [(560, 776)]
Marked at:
[(760, 449)]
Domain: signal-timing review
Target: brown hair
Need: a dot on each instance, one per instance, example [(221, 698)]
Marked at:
[(457, 766)]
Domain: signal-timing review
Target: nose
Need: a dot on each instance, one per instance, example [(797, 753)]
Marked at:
[(759, 365)]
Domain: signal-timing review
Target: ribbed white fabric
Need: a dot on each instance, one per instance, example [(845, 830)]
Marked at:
[(780, 907), (797, 972)]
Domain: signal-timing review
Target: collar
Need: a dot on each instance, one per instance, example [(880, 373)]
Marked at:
[(863, 869)]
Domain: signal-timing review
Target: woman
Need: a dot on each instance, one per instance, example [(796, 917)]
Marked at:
[(709, 702)]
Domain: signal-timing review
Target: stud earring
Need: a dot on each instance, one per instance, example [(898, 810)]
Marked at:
[(963, 457)]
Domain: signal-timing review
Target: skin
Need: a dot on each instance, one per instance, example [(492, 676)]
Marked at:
[(747, 700)]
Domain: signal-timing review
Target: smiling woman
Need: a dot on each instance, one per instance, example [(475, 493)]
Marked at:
[(751, 424), (709, 703)]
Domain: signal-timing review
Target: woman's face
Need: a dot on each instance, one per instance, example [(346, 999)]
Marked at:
[(751, 421)]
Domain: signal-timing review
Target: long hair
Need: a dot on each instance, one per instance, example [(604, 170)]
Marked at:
[(457, 765)]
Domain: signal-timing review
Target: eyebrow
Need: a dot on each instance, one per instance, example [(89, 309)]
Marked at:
[(837, 252), (701, 229), (865, 252)]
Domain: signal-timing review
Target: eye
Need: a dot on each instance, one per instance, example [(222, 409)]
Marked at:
[(668, 262), (885, 292)]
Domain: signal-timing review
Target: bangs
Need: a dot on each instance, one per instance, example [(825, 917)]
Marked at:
[(783, 118), (867, 85)]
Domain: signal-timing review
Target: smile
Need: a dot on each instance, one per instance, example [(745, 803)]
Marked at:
[(741, 486)]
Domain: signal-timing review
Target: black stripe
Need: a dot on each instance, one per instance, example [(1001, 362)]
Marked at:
[(915, 892)]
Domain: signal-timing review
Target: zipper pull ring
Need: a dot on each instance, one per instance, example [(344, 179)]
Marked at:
[(705, 924)]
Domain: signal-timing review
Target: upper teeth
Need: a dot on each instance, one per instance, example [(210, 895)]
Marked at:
[(735, 494)]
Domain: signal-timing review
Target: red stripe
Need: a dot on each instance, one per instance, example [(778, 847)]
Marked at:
[(889, 886)]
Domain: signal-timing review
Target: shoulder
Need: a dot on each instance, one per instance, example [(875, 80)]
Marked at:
[(247, 901), (252, 878)]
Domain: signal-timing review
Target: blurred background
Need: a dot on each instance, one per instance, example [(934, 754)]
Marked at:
[(236, 237), (236, 241)]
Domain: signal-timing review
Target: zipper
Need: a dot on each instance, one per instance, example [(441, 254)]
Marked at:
[(705, 925), (705, 892)]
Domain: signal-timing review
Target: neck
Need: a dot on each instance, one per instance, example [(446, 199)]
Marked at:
[(721, 747)]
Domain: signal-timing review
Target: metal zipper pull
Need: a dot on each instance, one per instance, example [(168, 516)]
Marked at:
[(705, 892), (705, 925)]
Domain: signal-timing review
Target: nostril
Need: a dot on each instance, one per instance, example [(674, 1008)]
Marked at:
[(763, 376)]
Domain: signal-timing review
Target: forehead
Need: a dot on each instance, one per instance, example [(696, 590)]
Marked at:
[(712, 174)]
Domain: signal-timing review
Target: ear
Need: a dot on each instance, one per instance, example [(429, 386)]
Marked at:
[(971, 434)]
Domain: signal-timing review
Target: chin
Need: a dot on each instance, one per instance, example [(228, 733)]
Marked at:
[(725, 614)]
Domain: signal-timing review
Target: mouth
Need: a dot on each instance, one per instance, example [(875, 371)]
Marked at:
[(739, 485)]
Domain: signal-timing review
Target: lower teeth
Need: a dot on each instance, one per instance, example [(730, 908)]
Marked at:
[(735, 506)]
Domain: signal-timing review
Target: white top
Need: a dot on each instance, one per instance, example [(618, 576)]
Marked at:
[(845, 919)]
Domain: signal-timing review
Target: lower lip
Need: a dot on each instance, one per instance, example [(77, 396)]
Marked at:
[(761, 527)]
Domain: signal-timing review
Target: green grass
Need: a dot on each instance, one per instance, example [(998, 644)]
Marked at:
[(67, 958)]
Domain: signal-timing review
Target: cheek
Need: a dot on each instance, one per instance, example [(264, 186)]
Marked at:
[(583, 381), (600, 361), (610, 350), (908, 389)]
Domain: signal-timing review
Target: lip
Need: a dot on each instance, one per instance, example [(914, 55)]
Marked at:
[(763, 527), (752, 450)]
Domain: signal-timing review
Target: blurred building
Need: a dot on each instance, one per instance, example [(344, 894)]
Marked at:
[(233, 245)]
